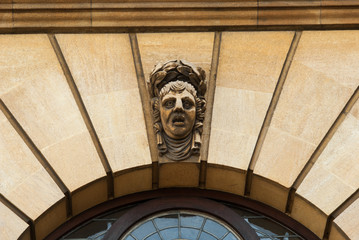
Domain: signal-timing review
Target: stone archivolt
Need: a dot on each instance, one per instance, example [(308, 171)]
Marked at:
[(317, 110)]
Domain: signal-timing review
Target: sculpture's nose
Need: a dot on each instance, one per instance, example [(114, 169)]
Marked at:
[(179, 105)]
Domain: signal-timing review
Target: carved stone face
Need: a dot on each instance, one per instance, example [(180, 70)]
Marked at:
[(178, 113)]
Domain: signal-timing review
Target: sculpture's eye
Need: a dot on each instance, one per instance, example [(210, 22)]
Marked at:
[(169, 104), (187, 104)]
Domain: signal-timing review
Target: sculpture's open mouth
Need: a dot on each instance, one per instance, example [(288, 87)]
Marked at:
[(178, 120)]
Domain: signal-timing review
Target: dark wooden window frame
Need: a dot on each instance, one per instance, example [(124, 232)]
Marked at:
[(144, 210), (184, 193)]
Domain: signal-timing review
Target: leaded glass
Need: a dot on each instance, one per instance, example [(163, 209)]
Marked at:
[(182, 225), (185, 224)]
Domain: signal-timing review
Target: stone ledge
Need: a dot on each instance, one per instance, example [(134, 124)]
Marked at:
[(64, 13)]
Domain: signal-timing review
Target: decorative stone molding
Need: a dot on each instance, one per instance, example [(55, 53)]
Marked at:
[(133, 14)]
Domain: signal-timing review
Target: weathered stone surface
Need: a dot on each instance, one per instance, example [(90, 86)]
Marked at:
[(269, 192), (339, 15), (110, 93), (29, 187), (162, 47), (50, 220), (58, 18), (321, 80), (89, 196), (225, 179), (347, 221), (179, 18), (336, 233), (35, 90), (309, 216), (186, 174), (291, 16), (11, 226), (334, 176), (6, 18), (249, 67), (140, 179)]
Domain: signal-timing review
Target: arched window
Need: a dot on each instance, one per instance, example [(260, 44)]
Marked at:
[(203, 216)]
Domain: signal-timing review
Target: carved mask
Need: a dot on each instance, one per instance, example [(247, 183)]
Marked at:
[(178, 113), (177, 91)]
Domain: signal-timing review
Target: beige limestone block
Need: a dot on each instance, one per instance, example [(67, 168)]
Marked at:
[(292, 16), (11, 226), (348, 220), (58, 18), (333, 53), (282, 156), (334, 177), (178, 18), (140, 179), (322, 78), (90, 195), (6, 18), (336, 233), (355, 110), (269, 192), (23, 180), (309, 103), (252, 60), (249, 68), (236, 125), (225, 179), (178, 174), (110, 93), (119, 122), (36, 195), (51, 219), (162, 47), (35, 2), (26, 235), (109, 57), (77, 163), (324, 189), (35, 90), (340, 15), (308, 215)]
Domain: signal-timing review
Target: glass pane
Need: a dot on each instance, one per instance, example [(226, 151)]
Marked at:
[(188, 220), (171, 233), (230, 236), (215, 228), (269, 227), (189, 233), (260, 234), (206, 236), (129, 238), (90, 229), (290, 238), (144, 230), (167, 221), (97, 236), (154, 237)]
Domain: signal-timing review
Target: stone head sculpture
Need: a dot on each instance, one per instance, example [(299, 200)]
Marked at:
[(177, 90)]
